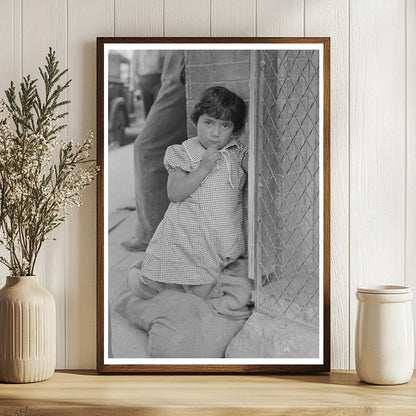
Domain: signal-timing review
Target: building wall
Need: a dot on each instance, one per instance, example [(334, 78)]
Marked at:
[(373, 130), (205, 69)]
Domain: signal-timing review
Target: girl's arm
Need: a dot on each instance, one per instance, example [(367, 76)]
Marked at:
[(244, 163), (181, 184)]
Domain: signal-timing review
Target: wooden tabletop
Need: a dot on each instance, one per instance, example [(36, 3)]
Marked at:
[(86, 393)]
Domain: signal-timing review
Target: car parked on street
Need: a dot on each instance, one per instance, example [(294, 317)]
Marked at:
[(121, 96)]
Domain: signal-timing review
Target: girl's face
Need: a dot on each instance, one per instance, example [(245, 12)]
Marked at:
[(213, 132)]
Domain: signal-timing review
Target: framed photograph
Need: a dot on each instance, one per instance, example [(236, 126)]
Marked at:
[(213, 217)]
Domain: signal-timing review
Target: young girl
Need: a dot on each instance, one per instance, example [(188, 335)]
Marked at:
[(201, 232)]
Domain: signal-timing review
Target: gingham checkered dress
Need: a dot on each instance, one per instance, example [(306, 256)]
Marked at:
[(201, 235)]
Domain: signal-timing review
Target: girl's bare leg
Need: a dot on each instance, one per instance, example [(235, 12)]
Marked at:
[(141, 286), (201, 291)]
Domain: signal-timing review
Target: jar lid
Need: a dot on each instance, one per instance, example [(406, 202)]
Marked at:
[(384, 289)]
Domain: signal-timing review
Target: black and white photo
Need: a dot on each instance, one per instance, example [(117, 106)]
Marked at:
[(213, 213)]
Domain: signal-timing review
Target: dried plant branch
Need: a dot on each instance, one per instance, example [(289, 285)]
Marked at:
[(36, 193)]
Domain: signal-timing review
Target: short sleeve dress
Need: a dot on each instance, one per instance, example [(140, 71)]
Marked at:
[(200, 236)]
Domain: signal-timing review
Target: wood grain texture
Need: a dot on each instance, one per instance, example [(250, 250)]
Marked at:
[(187, 18), (330, 18), (82, 393), (37, 38), (377, 152), (100, 204), (233, 18), (410, 264), (138, 18), (280, 18), (86, 20), (326, 142)]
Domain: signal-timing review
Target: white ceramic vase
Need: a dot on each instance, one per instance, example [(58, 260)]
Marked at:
[(27, 331), (384, 338)]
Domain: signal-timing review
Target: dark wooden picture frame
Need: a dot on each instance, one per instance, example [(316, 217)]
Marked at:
[(256, 267)]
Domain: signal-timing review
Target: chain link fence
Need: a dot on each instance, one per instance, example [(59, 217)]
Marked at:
[(287, 181)]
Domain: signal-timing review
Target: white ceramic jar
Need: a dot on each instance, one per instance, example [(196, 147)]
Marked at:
[(384, 337)]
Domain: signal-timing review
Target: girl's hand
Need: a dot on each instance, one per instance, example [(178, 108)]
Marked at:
[(181, 184), (209, 159)]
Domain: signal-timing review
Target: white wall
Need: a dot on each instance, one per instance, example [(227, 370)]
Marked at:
[(373, 132)]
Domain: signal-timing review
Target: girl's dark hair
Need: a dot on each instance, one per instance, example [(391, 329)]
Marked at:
[(222, 104)]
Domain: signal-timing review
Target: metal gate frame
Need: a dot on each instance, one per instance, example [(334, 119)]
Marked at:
[(254, 184)]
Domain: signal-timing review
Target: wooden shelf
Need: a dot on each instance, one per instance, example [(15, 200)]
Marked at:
[(86, 393)]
